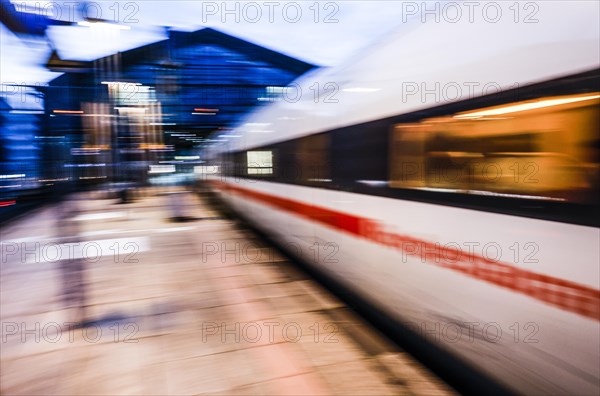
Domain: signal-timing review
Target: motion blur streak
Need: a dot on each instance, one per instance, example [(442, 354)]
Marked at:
[(435, 164)]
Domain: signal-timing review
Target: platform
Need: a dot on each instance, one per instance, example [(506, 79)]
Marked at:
[(102, 298)]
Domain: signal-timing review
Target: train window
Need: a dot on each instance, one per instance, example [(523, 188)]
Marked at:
[(313, 159), (283, 161), (235, 164), (259, 162), (359, 153), (542, 149)]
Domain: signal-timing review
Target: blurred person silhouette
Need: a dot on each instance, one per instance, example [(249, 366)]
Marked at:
[(71, 265)]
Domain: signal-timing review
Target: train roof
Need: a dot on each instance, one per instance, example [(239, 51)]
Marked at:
[(429, 64)]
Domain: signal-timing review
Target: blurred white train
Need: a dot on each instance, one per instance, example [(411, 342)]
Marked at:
[(448, 177)]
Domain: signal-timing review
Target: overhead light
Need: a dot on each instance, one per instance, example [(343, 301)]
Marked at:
[(119, 82), (68, 111), (131, 109), (361, 90), (27, 111), (526, 106), (17, 176), (162, 169), (103, 25), (187, 157)]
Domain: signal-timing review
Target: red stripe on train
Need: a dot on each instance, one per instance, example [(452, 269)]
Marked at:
[(567, 295)]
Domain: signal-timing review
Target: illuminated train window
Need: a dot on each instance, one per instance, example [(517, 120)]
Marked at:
[(312, 162), (260, 162), (543, 149)]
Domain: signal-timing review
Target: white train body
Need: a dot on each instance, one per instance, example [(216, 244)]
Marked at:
[(513, 295)]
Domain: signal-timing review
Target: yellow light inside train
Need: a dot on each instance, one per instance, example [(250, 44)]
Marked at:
[(526, 106)]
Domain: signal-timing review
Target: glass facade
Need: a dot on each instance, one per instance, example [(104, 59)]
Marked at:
[(112, 119)]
